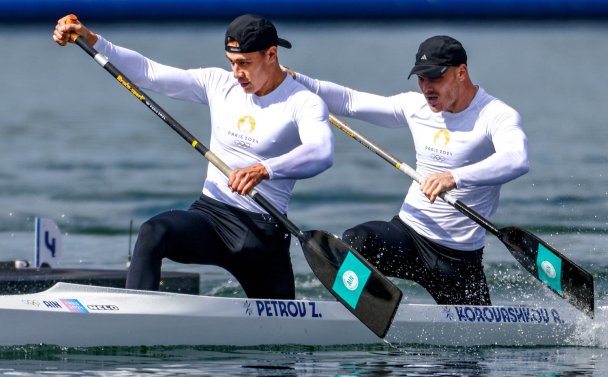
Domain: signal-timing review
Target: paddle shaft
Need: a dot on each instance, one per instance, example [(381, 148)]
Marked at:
[(185, 134), (414, 175)]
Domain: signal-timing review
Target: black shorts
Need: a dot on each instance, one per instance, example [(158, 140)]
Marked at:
[(253, 247), (451, 276)]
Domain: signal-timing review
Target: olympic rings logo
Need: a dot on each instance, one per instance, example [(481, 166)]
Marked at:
[(242, 144)]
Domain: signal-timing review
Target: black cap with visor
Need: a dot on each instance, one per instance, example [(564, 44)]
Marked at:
[(253, 33), (436, 54)]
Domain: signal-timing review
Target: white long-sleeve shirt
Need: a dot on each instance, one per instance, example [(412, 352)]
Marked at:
[(482, 146), (286, 130)]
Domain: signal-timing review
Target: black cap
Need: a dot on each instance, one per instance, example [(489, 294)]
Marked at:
[(253, 33), (436, 54)]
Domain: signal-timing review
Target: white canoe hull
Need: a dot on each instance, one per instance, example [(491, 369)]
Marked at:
[(87, 316)]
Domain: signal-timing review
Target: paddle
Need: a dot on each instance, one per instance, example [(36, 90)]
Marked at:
[(358, 285), (544, 262)]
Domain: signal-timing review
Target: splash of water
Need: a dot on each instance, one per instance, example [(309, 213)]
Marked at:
[(594, 333)]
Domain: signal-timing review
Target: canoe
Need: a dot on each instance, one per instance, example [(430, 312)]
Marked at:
[(76, 315)]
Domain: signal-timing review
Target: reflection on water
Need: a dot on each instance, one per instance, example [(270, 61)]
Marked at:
[(305, 361)]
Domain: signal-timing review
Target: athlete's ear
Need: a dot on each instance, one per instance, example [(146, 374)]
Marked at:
[(271, 54), (463, 72)]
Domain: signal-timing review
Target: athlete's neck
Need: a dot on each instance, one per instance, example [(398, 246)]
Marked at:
[(273, 82)]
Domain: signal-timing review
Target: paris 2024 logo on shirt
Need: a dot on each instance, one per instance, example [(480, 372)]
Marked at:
[(242, 136), (440, 142)]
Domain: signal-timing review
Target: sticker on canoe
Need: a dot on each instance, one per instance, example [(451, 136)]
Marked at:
[(502, 314), (283, 309)]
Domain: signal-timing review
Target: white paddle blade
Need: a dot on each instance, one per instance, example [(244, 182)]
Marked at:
[(47, 248)]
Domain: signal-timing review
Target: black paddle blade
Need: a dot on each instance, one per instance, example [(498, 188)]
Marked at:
[(552, 268), (358, 285)]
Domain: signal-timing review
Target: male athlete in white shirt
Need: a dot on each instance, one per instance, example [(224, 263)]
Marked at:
[(467, 142), (267, 127)]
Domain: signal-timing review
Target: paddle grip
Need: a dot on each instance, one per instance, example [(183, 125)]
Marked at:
[(70, 19)]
